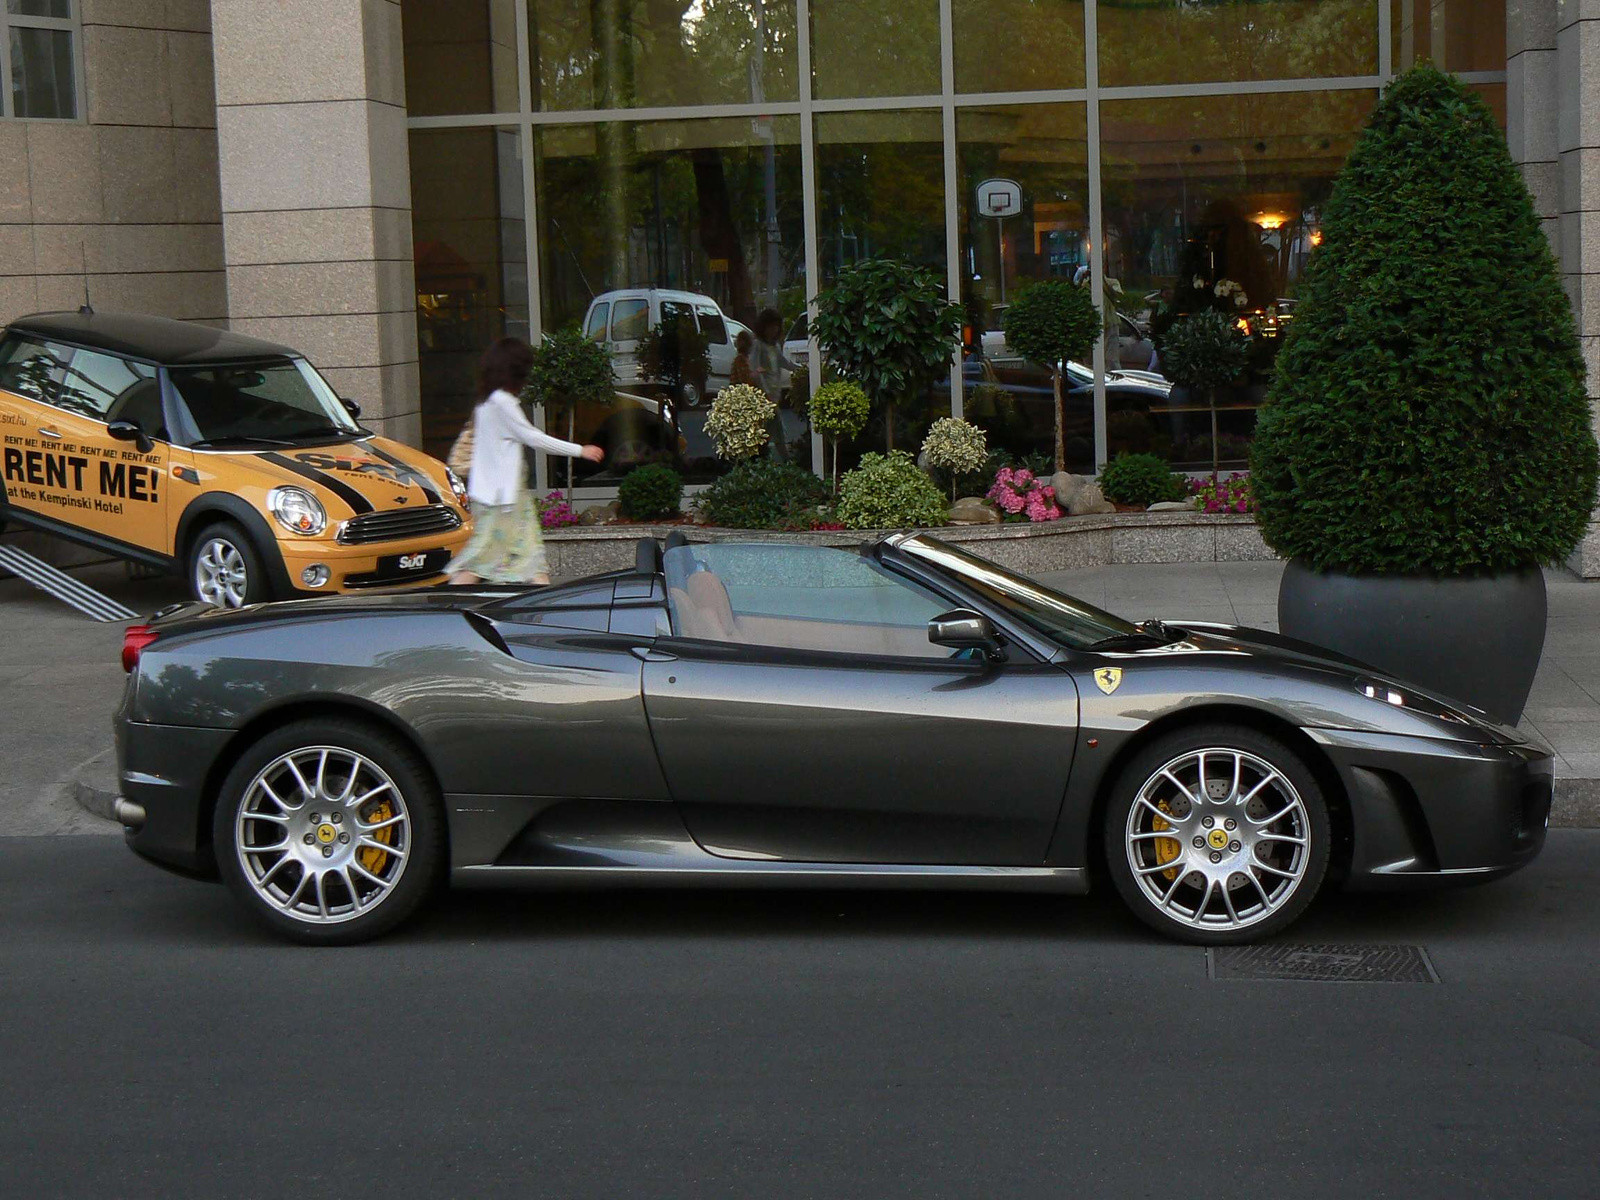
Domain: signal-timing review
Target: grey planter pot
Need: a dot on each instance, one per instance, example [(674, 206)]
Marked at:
[(1472, 638)]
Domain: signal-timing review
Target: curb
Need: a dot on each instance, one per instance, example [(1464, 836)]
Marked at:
[(1576, 806)]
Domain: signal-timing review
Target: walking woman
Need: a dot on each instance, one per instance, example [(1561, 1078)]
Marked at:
[(506, 545)]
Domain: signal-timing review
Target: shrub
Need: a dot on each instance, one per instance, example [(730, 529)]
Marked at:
[(760, 494), (890, 492), (954, 446), (1204, 351), (740, 419), (555, 512), (650, 493), (889, 326), (675, 353), (1141, 479), (1020, 494), (1428, 412), (1047, 323)]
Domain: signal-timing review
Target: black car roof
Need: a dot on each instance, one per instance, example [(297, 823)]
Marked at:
[(159, 339)]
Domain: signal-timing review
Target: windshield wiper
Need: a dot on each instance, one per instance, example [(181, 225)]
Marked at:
[(235, 438), (1146, 634)]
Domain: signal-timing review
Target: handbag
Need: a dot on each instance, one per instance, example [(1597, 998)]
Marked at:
[(459, 459)]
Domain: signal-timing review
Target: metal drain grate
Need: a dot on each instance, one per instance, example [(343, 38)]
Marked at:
[(1322, 964)]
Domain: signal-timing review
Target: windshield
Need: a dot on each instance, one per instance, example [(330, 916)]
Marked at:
[(1061, 618), (274, 400)]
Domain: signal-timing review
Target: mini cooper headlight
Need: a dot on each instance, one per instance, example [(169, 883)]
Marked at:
[(297, 510), (456, 486)]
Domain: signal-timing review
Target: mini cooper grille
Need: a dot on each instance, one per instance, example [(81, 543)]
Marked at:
[(399, 524)]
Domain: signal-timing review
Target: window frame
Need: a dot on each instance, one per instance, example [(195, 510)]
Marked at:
[(72, 26)]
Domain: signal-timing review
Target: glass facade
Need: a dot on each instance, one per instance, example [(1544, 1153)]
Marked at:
[(629, 166)]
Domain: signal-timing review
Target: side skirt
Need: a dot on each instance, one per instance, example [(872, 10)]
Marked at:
[(747, 874)]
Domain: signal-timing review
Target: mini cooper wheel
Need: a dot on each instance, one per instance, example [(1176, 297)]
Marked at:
[(329, 831), (225, 569), (1217, 835)]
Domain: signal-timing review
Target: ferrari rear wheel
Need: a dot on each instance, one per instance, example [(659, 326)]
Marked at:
[(329, 831), (1217, 835)]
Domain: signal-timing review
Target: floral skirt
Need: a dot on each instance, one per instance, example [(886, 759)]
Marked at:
[(506, 545)]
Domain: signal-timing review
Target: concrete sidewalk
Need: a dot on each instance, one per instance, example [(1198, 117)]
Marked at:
[(62, 678)]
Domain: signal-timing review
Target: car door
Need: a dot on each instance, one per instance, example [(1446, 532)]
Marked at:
[(801, 714)]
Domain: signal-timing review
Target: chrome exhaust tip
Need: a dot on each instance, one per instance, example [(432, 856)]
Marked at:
[(130, 814)]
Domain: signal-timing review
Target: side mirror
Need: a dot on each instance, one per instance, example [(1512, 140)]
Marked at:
[(351, 407), (963, 629), (131, 431)]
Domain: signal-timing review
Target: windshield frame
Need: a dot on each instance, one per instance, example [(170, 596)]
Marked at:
[(187, 432), (1061, 619)]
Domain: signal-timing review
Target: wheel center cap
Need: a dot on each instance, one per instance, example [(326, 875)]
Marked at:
[(1218, 839), (326, 833)]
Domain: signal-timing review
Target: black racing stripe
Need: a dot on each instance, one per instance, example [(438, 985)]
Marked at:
[(358, 503), (409, 472)]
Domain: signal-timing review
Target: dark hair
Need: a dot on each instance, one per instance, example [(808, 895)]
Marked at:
[(504, 366), (766, 319), (743, 342)]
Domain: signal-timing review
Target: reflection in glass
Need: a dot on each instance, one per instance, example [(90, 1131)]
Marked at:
[(693, 227), (469, 225), (594, 54), (880, 194), (1215, 202), (1455, 35), (41, 73), (874, 48), (1043, 149), (1018, 45), (1179, 41), (460, 57)]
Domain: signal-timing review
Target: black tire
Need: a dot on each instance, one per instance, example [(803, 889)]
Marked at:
[(412, 875), (257, 586), (1239, 876)]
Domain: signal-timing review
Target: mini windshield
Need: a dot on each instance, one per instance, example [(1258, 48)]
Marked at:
[(279, 400), (1061, 618)]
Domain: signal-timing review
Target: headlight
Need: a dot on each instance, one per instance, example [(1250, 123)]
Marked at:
[(297, 510), (456, 486), (1388, 693)]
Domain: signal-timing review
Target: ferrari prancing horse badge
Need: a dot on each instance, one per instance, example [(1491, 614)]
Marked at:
[(1107, 679)]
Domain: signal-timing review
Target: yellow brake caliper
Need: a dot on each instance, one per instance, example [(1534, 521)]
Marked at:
[(1167, 849), (375, 860)]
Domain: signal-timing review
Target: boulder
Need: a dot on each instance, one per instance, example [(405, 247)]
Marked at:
[(1171, 506), (1088, 499), (600, 514), (974, 510), (1066, 485)]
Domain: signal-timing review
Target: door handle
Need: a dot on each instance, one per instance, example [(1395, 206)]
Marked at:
[(651, 654), (50, 433)]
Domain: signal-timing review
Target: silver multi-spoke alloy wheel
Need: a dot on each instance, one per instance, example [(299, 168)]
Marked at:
[(1218, 839), (221, 575), (323, 835)]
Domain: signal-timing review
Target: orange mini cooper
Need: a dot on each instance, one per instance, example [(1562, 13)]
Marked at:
[(191, 448)]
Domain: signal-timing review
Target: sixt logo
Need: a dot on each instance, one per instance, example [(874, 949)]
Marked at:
[(365, 466)]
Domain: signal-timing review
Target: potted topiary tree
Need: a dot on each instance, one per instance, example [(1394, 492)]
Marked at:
[(1051, 323), (839, 410), (677, 357), (889, 326), (1427, 443), (1202, 352), (740, 421), (568, 370)]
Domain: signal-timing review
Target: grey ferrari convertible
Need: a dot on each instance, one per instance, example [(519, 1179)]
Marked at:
[(747, 714)]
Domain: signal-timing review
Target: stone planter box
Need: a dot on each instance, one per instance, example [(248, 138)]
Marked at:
[(1068, 544)]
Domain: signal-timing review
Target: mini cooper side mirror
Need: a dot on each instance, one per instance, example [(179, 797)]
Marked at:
[(131, 431), (963, 629), (352, 407)]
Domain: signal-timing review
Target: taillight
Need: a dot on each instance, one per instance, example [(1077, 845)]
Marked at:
[(134, 639)]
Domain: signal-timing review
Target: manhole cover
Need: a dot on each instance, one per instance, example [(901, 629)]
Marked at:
[(1323, 964)]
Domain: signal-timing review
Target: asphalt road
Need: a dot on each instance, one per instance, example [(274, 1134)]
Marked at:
[(783, 1044)]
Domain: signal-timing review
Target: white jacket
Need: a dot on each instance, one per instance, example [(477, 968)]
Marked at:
[(499, 432)]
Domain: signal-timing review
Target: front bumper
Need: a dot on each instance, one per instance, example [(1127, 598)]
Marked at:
[(1427, 811), (370, 565), (163, 770)]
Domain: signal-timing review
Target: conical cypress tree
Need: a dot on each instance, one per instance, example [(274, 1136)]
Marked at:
[(1429, 412)]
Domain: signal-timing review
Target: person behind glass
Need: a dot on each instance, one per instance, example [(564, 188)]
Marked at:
[(506, 545), (742, 371), (771, 367)]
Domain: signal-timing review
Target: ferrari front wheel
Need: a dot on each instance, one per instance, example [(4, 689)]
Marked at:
[(1217, 835), (329, 831)]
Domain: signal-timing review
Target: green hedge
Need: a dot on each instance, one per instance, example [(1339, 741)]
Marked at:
[(1429, 411), (650, 493)]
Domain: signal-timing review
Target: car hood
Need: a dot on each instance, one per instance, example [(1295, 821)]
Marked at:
[(371, 474)]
